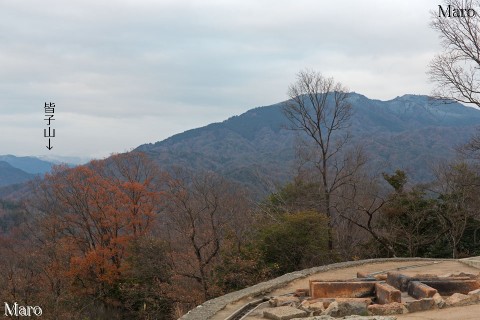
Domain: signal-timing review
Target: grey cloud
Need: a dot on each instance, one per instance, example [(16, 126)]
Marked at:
[(117, 60)]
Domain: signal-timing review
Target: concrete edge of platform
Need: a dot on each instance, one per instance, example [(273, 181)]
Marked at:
[(472, 261), (209, 308)]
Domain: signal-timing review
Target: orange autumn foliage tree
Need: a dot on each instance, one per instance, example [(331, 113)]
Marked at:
[(97, 211)]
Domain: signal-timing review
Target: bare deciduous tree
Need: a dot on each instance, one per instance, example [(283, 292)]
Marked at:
[(455, 70), (457, 186), (319, 107), (471, 150), (361, 206), (202, 210)]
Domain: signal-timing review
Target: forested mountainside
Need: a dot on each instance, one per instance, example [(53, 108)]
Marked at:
[(256, 148)]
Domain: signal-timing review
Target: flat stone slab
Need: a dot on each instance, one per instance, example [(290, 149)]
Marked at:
[(448, 287), (385, 293), (337, 289), (420, 290), (284, 313), (398, 280), (387, 309)]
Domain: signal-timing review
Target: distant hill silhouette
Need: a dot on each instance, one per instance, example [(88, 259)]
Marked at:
[(28, 164), (411, 132), (11, 175), (16, 171)]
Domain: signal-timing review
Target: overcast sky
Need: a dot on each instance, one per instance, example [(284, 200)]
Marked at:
[(126, 72)]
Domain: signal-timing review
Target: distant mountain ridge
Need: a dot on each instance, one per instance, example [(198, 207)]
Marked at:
[(31, 165), (17, 170), (11, 175), (242, 148), (410, 132)]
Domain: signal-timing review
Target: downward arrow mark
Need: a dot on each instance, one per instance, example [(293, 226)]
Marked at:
[(49, 147)]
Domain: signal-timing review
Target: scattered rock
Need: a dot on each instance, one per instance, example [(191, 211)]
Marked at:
[(332, 309), (458, 300), (439, 302), (420, 305), (326, 302), (281, 301), (346, 307), (475, 293), (314, 308), (284, 313), (302, 292)]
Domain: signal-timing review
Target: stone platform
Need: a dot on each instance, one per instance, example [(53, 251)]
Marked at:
[(222, 307)]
